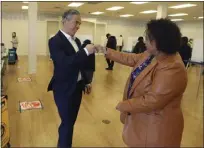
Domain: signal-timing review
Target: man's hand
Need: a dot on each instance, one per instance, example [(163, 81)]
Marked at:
[(88, 89), (91, 48)]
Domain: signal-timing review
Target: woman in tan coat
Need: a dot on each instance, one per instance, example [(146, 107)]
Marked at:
[(151, 106)]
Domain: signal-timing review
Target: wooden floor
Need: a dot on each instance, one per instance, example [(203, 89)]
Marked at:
[(39, 128)]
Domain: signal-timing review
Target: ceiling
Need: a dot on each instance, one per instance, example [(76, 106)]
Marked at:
[(58, 8)]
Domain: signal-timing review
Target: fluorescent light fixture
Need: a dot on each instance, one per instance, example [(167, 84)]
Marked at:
[(149, 11), (183, 6), (178, 14), (115, 8), (138, 3), (201, 17), (176, 20), (25, 2), (75, 4), (97, 13), (126, 15), (24, 7)]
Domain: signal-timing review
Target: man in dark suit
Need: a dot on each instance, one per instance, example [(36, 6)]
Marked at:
[(68, 80), (111, 43), (140, 46), (185, 50)]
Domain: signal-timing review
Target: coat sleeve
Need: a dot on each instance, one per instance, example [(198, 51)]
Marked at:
[(128, 59), (168, 83), (63, 60)]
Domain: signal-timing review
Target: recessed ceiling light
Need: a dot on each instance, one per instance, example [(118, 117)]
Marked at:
[(178, 14), (25, 2), (149, 11), (183, 6), (75, 4), (115, 8), (24, 7), (126, 15), (201, 17), (138, 3), (97, 13), (176, 20)]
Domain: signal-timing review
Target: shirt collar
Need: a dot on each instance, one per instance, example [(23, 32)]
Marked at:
[(67, 35)]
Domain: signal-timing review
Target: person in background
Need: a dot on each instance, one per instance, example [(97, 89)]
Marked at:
[(112, 43), (68, 81), (107, 36), (140, 46), (15, 43), (3, 50), (151, 106), (190, 43), (121, 47), (185, 50), (89, 67)]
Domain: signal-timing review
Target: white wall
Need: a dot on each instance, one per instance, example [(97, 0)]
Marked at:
[(194, 30), (21, 29), (18, 23)]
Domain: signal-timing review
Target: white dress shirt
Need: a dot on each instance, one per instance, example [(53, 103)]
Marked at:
[(73, 43)]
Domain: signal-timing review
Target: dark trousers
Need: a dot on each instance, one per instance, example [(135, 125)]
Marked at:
[(68, 110), (110, 63), (16, 56), (120, 48)]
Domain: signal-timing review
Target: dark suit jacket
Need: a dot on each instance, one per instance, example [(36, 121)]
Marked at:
[(90, 63), (139, 47), (185, 52), (67, 64), (111, 43)]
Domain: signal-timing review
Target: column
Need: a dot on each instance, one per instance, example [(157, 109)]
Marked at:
[(32, 29), (161, 11), (0, 22)]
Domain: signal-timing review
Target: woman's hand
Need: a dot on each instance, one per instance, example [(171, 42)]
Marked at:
[(123, 117)]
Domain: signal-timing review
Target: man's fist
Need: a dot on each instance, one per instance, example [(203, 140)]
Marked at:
[(91, 48)]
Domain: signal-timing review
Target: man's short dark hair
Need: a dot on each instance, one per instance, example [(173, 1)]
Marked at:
[(166, 34), (184, 40), (69, 13), (140, 39), (107, 35)]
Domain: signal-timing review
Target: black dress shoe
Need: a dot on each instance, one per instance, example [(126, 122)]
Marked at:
[(109, 68)]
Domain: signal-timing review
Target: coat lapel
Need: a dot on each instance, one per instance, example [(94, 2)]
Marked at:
[(143, 74), (66, 41)]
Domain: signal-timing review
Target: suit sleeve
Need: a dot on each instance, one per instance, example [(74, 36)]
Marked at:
[(168, 83), (61, 59), (128, 59)]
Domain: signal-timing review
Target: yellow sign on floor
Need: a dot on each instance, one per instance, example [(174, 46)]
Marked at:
[(5, 136)]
